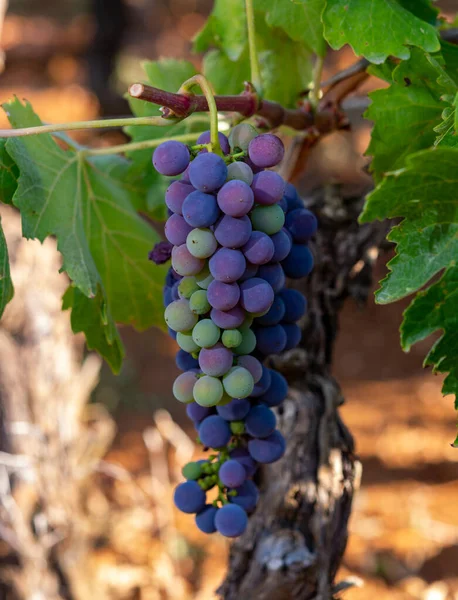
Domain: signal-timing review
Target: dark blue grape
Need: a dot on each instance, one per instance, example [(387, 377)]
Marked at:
[(167, 295), (299, 262), (282, 242), (189, 497), (295, 305), (200, 210), (235, 410), (231, 520), (263, 384), (208, 172), (214, 432), (276, 391), (185, 361), (198, 413), (171, 158), (270, 340), (242, 456), (293, 199), (293, 335), (302, 224), (247, 496), (232, 474), (274, 275), (275, 314), (205, 138), (171, 277), (269, 449), (260, 421), (205, 519)]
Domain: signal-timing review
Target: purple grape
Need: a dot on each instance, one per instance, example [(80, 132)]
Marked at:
[(228, 319), (293, 335), (282, 242), (184, 262), (205, 138), (235, 410), (270, 340), (214, 432), (274, 275), (269, 449), (176, 230), (293, 199), (231, 520), (302, 224), (250, 271), (174, 291), (260, 422), (275, 314), (251, 364), (247, 496), (215, 361), (266, 150), (185, 175), (277, 390), (240, 171), (196, 412), (227, 265), (184, 361), (299, 262), (268, 187), (242, 456), (263, 384), (207, 172), (205, 519), (171, 158), (176, 194), (232, 473), (256, 295), (189, 497), (223, 296), (295, 305), (259, 249), (233, 232), (235, 198), (200, 210)]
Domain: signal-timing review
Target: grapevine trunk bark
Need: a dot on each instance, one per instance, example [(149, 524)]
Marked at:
[(296, 539)]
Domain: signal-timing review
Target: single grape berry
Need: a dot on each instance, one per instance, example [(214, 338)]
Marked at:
[(205, 138), (268, 187), (208, 172), (266, 150), (231, 520), (205, 519), (232, 474), (236, 198), (171, 158), (189, 497)]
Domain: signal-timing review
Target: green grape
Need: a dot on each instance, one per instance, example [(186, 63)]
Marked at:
[(241, 135), (247, 323), (205, 333), (204, 278), (192, 470), (179, 316), (269, 219), (231, 338), (237, 427), (240, 171), (186, 343), (208, 391), (238, 382), (201, 243), (183, 386), (225, 400), (198, 303), (248, 342), (187, 286)]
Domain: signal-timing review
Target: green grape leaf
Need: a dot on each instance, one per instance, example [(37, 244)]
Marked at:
[(425, 194), (377, 29), (6, 285), (423, 9), (9, 174), (450, 55), (448, 129), (299, 19), (103, 241), (406, 113), (225, 75), (225, 28)]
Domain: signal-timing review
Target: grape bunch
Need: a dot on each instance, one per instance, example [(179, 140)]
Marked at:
[(237, 230)]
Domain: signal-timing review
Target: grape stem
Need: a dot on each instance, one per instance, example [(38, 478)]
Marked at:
[(254, 62), (135, 146), (201, 81), (316, 85)]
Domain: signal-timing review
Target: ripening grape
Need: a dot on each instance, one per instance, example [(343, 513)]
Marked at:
[(233, 232), (256, 295), (176, 230), (176, 194), (228, 319), (201, 243), (187, 286), (238, 383), (208, 391), (215, 361), (214, 432), (205, 333), (189, 497), (248, 342), (252, 365), (268, 187), (227, 265), (232, 338), (186, 343), (241, 135), (268, 219), (236, 198), (204, 278), (223, 296), (200, 210), (184, 385), (232, 474), (171, 158), (207, 172), (239, 171), (198, 303), (266, 150), (179, 317), (259, 248), (184, 262)]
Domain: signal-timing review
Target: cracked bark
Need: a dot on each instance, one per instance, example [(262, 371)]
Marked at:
[(296, 539)]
